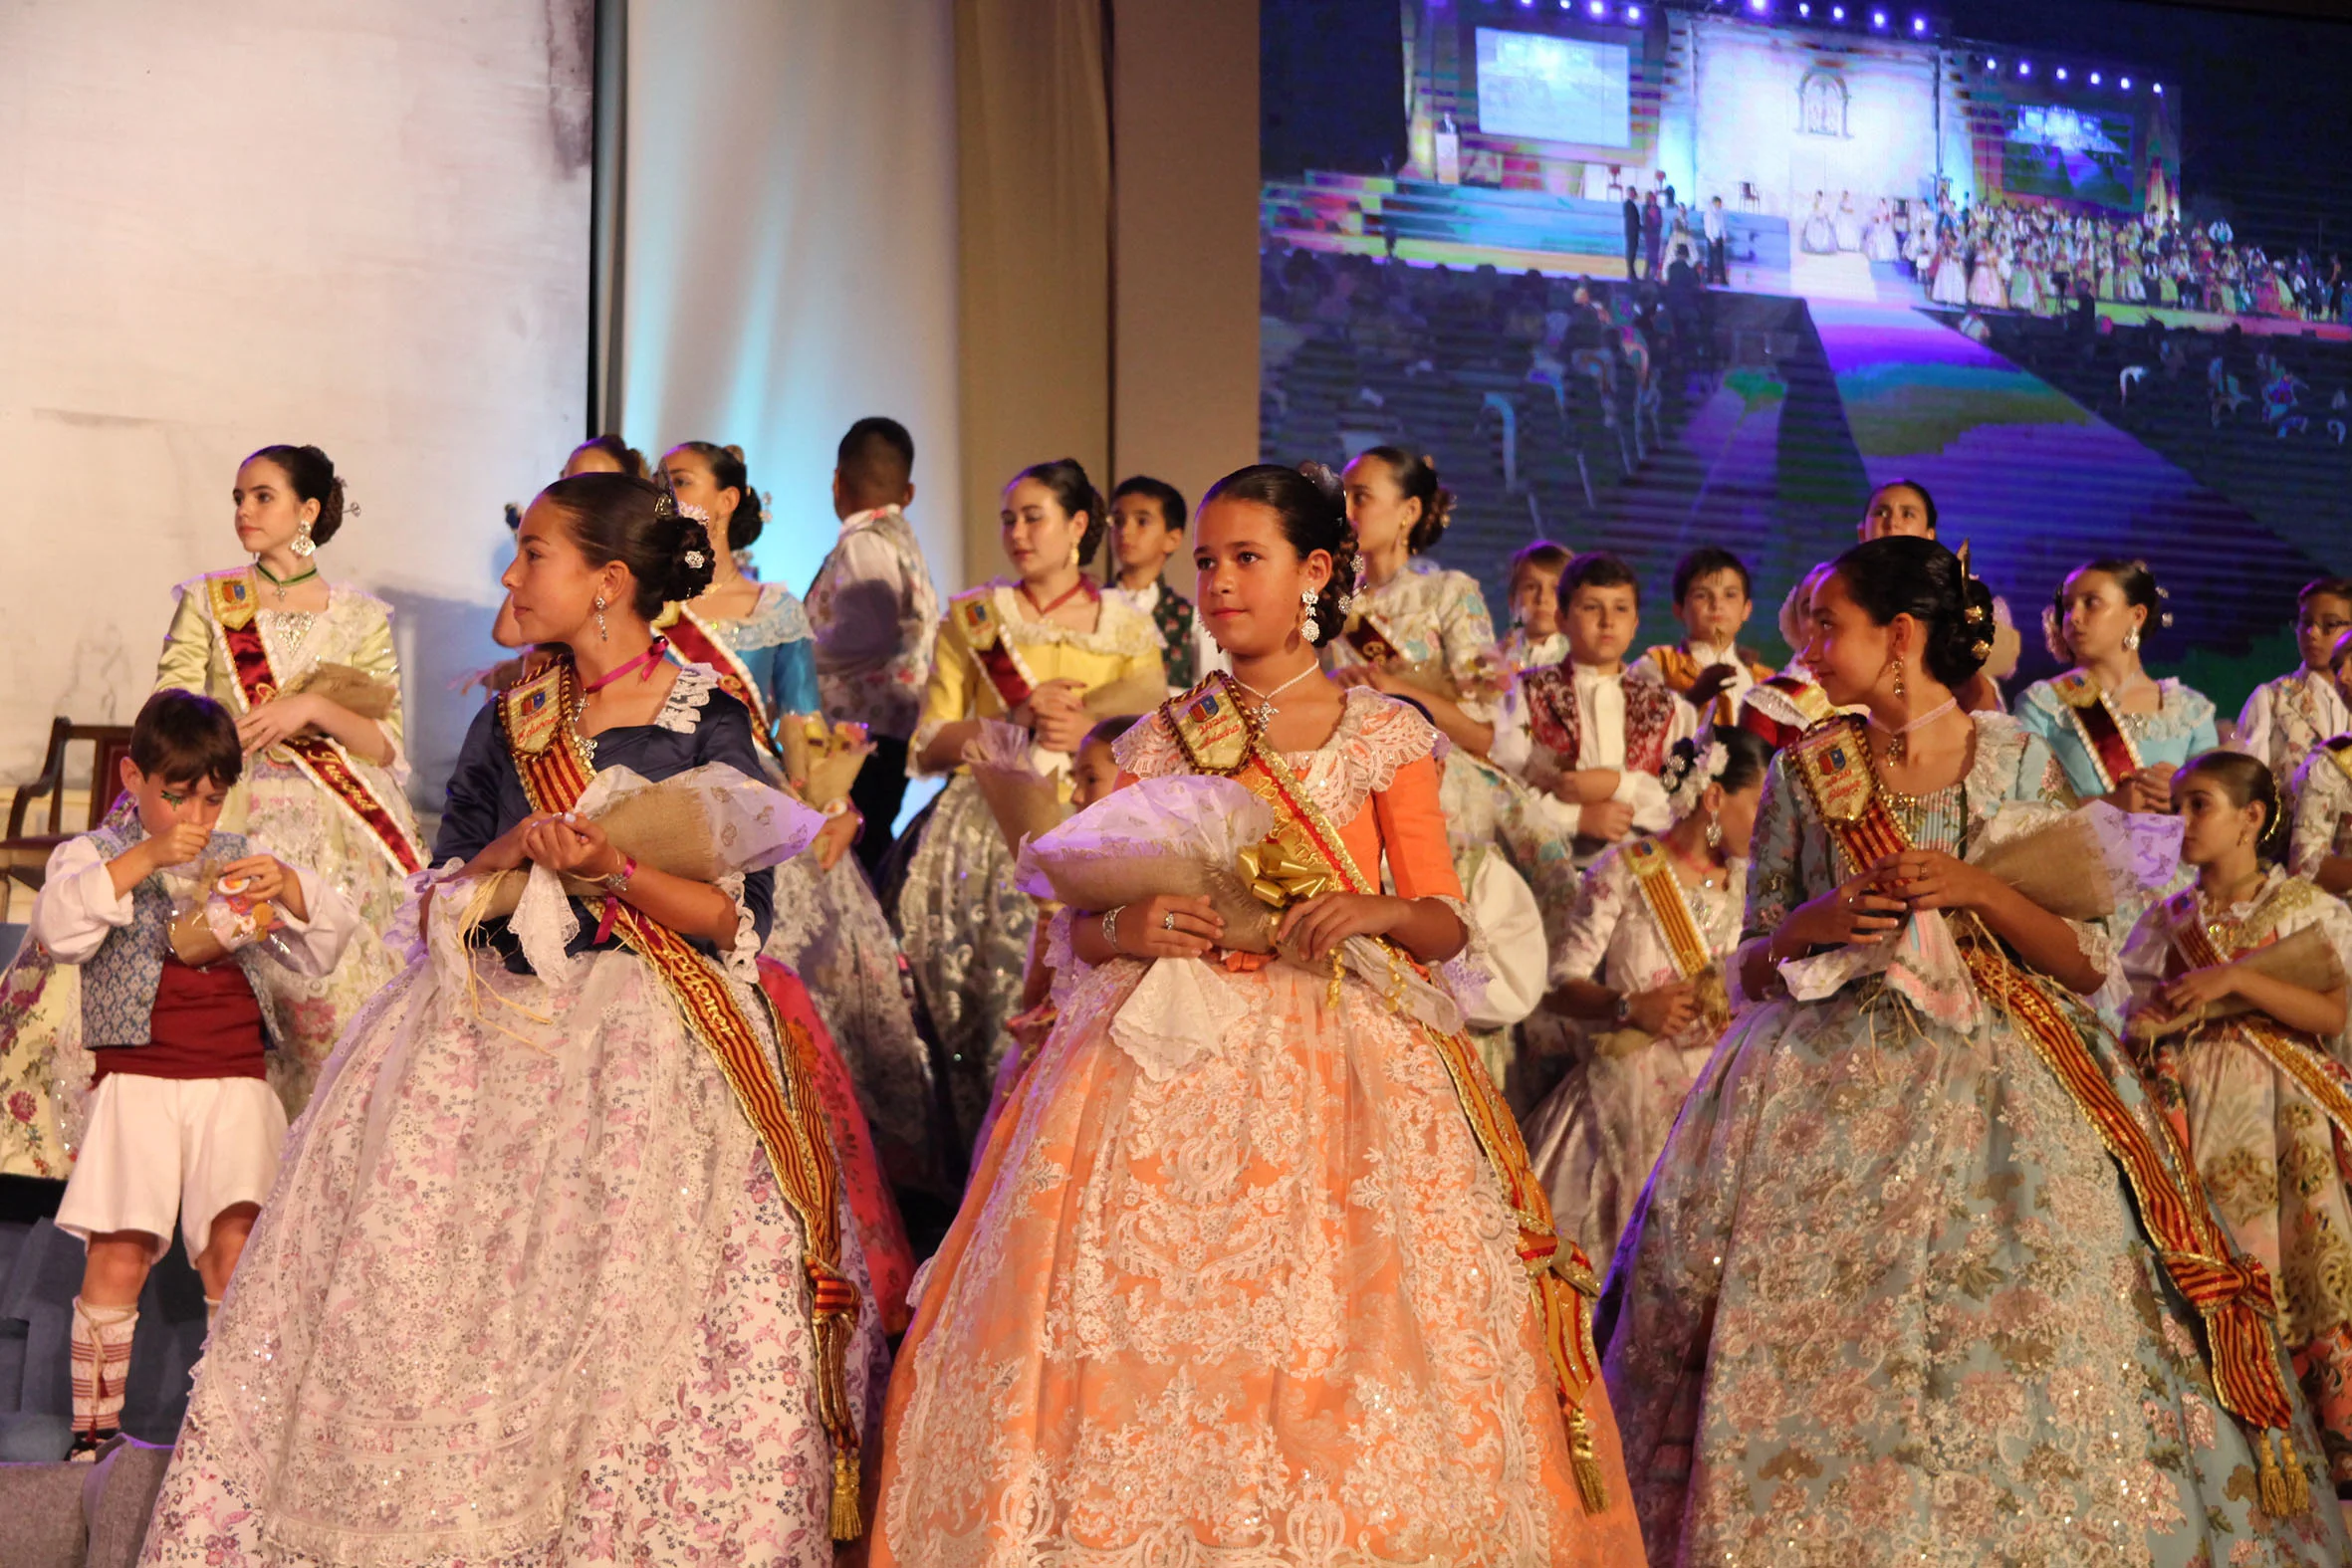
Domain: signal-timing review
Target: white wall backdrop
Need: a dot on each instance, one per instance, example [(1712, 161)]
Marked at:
[(790, 249), (359, 223)]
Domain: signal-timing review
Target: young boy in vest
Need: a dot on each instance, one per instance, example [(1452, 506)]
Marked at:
[(1588, 734), (1713, 598), (1146, 528), (168, 922)]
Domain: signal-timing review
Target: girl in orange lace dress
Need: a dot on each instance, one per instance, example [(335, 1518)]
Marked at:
[(1263, 1277)]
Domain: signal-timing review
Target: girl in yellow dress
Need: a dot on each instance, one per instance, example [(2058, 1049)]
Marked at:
[(1044, 649), (307, 668)]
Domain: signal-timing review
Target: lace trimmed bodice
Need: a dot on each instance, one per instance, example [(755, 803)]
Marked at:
[(1376, 736)]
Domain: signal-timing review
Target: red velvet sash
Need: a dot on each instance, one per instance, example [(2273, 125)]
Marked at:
[(2112, 752), (319, 756), (984, 633)]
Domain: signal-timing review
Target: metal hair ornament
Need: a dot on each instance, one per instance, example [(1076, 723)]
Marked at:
[(1967, 574), (665, 505)]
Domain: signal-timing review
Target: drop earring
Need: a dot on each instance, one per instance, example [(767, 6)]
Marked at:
[(2131, 640), (1306, 621), (304, 545), (1900, 694), (601, 634), (1714, 833)]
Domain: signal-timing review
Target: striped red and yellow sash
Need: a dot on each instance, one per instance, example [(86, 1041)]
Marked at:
[(1669, 906), (320, 757), (2320, 1075), (785, 1108), (696, 643), (1219, 734), (2231, 1291)]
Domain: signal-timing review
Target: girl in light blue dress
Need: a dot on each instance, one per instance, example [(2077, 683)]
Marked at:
[(1920, 1276)]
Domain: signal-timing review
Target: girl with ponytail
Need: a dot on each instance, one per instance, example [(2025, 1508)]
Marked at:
[(1045, 650), (2238, 1012)]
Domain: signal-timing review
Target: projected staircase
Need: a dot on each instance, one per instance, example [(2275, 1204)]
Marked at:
[(2041, 484)]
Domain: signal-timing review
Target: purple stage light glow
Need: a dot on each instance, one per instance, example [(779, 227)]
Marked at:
[(1633, 13), (1838, 13), (2157, 88), (1804, 10), (2126, 84), (2061, 72), (1757, 6), (2094, 78), (2024, 67), (1878, 19), (1919, 24)]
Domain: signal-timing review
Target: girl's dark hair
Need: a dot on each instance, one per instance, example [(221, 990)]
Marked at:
[(1927, 503), (633, 521), (1906, 575), (728, 472), (1073, 491), (1314, 513), (2247, 781), (2139, 587), (1746, 756), (631, 461), (311, 474), (1416, 476)]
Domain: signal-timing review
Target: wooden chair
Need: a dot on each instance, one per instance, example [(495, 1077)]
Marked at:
[(24, 857)]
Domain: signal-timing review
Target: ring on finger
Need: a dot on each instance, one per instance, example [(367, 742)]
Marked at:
[(1168, 921)]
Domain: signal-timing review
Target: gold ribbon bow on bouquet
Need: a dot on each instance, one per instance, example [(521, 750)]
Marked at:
[(1279, 877)]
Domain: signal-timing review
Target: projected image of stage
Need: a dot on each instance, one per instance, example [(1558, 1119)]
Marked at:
[(1650, 276)]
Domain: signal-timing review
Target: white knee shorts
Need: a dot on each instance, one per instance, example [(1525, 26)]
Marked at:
[(165, 1148)]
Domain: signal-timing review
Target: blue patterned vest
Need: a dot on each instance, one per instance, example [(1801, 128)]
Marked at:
[(119, 980)]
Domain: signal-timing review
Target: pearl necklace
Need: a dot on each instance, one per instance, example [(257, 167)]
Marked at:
[(1266, 699)]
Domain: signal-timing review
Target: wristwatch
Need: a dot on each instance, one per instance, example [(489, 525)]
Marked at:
[(1624, 1009)]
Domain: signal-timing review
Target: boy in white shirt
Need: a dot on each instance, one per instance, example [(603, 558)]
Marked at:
[(1587, 734), (168, 921), (875, 613), (2285, 718)]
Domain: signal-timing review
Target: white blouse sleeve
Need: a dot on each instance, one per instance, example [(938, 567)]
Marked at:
[(1584, 939), (77, 908)]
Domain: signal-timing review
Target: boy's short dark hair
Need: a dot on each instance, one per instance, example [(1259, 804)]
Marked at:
[(1106, 732), (877, 459), (1544, 554), (1705, 562), (2324, 589), (1170, 499), (181, 737), (1599, 570)]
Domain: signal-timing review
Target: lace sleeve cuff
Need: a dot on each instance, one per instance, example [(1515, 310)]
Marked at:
[(741, 961), (1062, 956), (2099, 947), (1465, 975)]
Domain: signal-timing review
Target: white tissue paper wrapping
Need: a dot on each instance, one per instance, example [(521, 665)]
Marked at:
[(1920, 960), (1181, 1008), (757, 826)]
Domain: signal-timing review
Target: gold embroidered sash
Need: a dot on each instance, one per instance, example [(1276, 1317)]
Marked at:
[(2320, 1075), (2231, 1291), (535, 720), (1669, 906), (1219, 734), (985, 633)]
